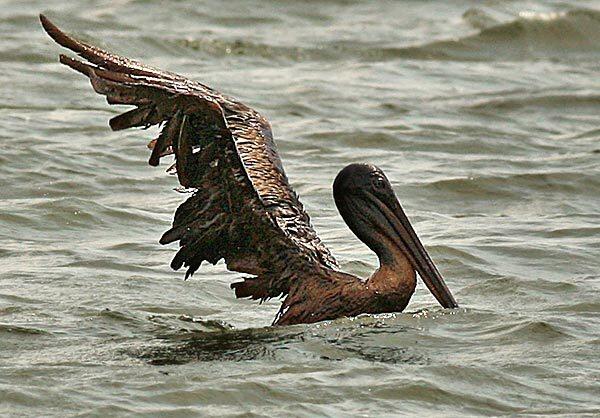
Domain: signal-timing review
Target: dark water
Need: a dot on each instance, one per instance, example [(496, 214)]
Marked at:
[(485, 115)]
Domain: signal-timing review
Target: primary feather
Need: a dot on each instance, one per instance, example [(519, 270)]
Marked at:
[(243, 209)]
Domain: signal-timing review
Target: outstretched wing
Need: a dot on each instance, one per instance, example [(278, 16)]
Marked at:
[(243, 209)]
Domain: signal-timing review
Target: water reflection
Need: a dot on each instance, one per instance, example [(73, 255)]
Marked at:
[(368, 338)]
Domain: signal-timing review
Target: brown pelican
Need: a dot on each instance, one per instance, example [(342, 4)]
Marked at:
[(243, 209)]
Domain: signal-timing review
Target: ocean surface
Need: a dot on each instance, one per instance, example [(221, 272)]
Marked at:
[(485, 115)]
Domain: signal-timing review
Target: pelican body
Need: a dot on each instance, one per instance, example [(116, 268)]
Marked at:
[(243, 209)]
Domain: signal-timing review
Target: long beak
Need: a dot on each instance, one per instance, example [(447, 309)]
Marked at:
[(402, 232)]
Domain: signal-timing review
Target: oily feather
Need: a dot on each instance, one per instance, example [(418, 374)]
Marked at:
[(243, 209)]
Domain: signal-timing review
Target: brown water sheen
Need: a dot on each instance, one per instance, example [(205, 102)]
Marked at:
[(485, 116)]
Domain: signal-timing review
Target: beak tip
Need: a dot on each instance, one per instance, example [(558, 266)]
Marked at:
[(453, 304)]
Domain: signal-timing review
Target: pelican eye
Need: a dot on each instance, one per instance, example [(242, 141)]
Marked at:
[(378, 183)]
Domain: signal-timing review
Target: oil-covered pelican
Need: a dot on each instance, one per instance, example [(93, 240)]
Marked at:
[(243, 209)]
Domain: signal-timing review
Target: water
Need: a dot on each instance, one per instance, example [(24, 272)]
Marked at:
[(485, 116)]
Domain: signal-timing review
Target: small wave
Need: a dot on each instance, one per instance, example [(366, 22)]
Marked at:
[(581, 307), (479, 19), (559, 35), (11, 310), (512, 286), (579, 232), (106, 265), (560, 101), (513, 185), (509, 330), (539, 331), (18, 299), (241, 47), (115, 315), (15, 329)]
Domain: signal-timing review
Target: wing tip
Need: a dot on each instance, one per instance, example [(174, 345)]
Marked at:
[(68, 42), (62, 38), (54, 32), (46, 23)]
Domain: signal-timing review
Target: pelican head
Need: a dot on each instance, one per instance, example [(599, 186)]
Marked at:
[(370, 208)]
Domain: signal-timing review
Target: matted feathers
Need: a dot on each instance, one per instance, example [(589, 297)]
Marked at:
[(243, 209)]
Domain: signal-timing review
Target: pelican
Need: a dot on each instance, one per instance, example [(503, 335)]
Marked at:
[(243, 209)]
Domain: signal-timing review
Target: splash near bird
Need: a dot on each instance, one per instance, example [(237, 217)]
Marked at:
[(243, 209)]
